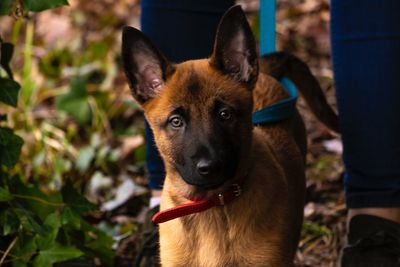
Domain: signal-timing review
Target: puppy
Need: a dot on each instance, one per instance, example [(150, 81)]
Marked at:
[(234, 192)]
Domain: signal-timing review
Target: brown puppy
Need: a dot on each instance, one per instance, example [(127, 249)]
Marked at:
[(200, 113)]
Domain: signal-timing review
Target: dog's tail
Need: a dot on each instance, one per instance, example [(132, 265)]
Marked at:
[(282, 64)]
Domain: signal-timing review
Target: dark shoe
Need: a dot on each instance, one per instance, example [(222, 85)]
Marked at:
[(372, 242)]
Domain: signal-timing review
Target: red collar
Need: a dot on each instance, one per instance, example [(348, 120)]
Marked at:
[(195, 206)]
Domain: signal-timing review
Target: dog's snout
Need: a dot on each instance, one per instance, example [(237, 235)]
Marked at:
[(206, 167)]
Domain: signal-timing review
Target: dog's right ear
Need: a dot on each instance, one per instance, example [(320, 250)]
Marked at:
[(145, 67), (235, 48)]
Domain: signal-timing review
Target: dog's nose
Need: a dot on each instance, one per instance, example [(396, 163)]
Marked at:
[(206, 167)]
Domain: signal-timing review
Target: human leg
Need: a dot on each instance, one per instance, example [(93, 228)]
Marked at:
[(366, 57)]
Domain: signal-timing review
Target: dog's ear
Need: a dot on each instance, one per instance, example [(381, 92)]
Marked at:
[(235, 48), (145, 67)]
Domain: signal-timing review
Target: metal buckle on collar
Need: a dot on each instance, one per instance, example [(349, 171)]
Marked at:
[(237, 191)]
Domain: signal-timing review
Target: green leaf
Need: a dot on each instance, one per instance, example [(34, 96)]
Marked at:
[(9, 92), (74, 200), (84, 159), (10, 147), (33, 199), (24, 250), (9, 222), (61, 165), (75, 102), (100, 244), (18, 263), (102, 247), (5, 195), (314, 229), (52, 64), (5, 7), (40, 5), (53, 223), (68, 217), (56, 253), (6, 53), (31, 218), (97, 50)]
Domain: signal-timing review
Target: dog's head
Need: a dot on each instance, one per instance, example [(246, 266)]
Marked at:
[(199, 110)]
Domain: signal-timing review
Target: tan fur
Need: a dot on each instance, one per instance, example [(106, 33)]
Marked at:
[(200, 114), (255, 230), (262, 226)]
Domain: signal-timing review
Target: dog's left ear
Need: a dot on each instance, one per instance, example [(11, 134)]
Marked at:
[(145, 67), (235, 48)]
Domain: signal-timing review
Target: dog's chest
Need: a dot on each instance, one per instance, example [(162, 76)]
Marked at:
[(211, 241), (197, 240)]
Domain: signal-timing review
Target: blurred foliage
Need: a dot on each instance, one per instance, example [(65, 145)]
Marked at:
[(314, 230), (7, 7), (75, 102), (64, 137)]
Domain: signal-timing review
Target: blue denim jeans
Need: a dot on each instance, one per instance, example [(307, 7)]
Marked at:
[(182, 30), (365, 38)]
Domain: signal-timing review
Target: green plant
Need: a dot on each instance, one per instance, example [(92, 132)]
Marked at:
[(40, 227)]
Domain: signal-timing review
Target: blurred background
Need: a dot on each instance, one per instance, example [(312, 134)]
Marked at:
[(83, 136)]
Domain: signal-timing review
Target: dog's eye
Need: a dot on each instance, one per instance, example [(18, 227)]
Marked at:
[(176, 121), (225, 114)]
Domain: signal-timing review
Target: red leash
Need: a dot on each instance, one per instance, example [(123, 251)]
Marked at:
[(198, 205)]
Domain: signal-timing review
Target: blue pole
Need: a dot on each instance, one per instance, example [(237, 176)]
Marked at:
[(267, 26)]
